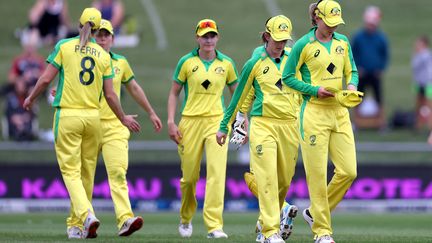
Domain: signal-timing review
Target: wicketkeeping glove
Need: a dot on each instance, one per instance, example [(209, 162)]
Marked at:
[(239, 134)]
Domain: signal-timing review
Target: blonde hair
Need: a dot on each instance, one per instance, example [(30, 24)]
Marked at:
[(312, 13), (84, 34)]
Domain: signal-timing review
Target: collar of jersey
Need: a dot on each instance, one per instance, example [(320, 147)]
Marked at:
[(313, 38), (92, 40), (218, 55), (114, 56), (264, 54)]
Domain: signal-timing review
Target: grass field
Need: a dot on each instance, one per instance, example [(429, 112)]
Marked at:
[(162, 227)]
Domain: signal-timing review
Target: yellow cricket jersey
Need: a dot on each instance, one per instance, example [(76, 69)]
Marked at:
[(273, 99), (204, 83), (122, 75), (320, 64), (81, 73)]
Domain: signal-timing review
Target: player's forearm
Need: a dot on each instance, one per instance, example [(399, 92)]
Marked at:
[(140, 97), (43, 82), (172, 104)]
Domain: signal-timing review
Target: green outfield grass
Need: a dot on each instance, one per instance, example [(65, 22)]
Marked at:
[(162, 227)]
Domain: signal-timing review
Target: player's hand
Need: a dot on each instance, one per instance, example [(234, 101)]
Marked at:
[(430, 139), (221, 138), (157, 124), (174, 133), (28, 103), (130, 122), (323, 93), (239, 137), (53, 92), (239, 130), (351, 87)]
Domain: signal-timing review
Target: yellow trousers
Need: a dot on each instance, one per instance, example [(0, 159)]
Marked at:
[(77, 139), (273, 150), (114, 147), (327, 130), (199, 134)]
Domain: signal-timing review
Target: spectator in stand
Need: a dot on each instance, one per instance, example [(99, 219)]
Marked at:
[(48, 17), (422, 75), (112, 10), (371, 54), (19, 121), (27, 66)]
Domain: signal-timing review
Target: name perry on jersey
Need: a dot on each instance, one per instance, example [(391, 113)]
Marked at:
[(87, 50)]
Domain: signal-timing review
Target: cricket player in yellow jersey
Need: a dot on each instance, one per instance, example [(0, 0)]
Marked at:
[(273, 132), (85, 69), (115, 136), (324, 59), (203, 73), (240, 137)]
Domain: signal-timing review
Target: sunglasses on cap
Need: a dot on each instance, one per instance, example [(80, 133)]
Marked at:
[(207, 24)]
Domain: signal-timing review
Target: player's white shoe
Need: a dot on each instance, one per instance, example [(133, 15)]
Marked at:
[(91, 224), (325, 239), (258, 228), (308, 217), (289, 212), (131, 225), (185, 230), (216, 234), (274, 238), (74, 232)]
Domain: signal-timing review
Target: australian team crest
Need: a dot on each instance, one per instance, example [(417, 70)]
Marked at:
[(340, 50), (283, 27), (259, 149), (220, 70), (312, 140), (116, 70), (335, 11)]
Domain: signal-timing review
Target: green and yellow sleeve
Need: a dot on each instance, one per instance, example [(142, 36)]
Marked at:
[(246, 79), (296, 62)]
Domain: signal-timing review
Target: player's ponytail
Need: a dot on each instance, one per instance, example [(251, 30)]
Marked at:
[(312, 13), (84, 34)]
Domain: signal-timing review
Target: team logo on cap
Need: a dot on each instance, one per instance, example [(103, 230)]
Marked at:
[(219, 70), (339, 50), (335, 11), (312, 140), (283, 27)]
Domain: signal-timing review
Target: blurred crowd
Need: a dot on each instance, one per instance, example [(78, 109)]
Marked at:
[(48, 22)]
